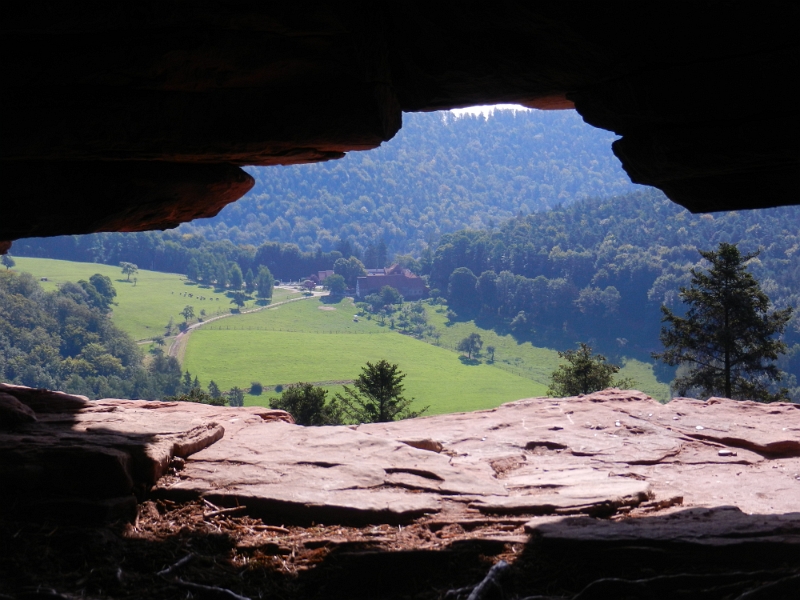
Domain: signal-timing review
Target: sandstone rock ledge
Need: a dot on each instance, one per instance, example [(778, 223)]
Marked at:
[(602, 454), (613, 481)]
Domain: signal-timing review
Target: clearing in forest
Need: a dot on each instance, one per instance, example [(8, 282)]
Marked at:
[(298, 342)]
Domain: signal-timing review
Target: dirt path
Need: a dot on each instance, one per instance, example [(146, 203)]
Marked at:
[(179, 343)]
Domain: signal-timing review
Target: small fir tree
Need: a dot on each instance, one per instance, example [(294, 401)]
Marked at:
[(235, 396), (378, 396)]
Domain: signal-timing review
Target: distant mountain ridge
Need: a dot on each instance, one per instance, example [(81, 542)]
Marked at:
[(441, 173)]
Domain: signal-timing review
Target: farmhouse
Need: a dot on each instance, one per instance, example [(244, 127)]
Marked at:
[(404, 281)]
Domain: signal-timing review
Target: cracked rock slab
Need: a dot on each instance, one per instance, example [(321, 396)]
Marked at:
[(720, 526), (602, 454)]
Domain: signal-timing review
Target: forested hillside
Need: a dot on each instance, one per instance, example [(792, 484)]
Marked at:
[(599, 270), (64, 340), (439, 174)]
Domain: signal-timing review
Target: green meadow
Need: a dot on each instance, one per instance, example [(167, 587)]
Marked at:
[(526, 360), (434, 376), (319, 341), (145, 307), (307, 341)]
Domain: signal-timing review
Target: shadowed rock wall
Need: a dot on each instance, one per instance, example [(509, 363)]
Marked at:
[(125, 117)]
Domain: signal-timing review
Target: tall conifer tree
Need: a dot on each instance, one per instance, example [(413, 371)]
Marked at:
[(728, 336)]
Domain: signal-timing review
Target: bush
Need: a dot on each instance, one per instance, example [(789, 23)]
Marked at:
[(256, 388), (308, 405)]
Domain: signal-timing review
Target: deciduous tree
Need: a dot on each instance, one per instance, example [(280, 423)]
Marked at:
[(349, 268), (128, 269), (235, 278), (265, 282), (461, 289), (308, 405), (584, 373), (335, 284), (238, 298), (187, 313), (470, 344), (249, 281)]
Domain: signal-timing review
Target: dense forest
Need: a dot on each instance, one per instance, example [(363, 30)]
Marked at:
[(440, 173), (599, 270), (65, 340)]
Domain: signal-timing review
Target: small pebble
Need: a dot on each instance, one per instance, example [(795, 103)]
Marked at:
[(727, 453), (617, 424), (699, 427), (674, 418)]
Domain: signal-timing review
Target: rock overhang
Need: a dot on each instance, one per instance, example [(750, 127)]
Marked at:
[(131, 118)]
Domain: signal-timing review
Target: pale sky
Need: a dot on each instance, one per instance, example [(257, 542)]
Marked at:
[(486, 109)]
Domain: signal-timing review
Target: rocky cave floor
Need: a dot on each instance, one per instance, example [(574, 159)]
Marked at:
[(610, 495), (173, 547)]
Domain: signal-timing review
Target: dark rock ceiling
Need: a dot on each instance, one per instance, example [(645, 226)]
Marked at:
[(134, 116)]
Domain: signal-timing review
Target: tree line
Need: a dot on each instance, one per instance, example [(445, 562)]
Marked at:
[(217, 263), (599, 271), (725, 345)]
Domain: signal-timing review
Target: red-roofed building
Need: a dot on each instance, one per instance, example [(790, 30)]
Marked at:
[(404, 281)]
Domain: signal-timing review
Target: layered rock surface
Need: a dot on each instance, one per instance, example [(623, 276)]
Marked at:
[(65, 456), (125, 118), (603, 454), (601, 495)]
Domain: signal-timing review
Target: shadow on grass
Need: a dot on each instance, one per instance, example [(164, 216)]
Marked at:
[(331, 299), (470, 362)]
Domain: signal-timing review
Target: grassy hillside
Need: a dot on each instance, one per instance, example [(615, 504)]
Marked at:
[(306, 341), (529, 361), (143, 308), (318, 341)]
